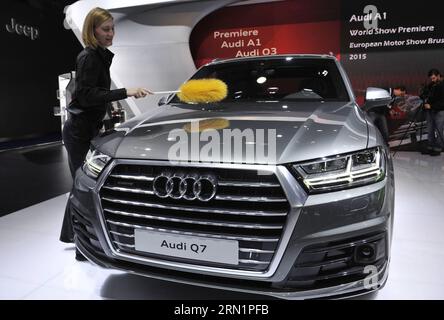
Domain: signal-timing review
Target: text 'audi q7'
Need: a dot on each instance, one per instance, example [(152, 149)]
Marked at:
[(284, 188)]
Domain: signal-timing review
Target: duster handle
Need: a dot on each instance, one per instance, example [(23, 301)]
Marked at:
[(165, 92)]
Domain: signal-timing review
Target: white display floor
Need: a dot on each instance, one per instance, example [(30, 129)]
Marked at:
[(35, 265)]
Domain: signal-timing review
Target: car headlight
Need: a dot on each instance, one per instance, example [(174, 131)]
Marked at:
[(95, 161), (342, 172)]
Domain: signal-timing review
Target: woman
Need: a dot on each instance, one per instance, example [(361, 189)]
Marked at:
[(92, 96)]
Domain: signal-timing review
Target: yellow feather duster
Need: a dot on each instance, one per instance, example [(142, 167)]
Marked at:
[(203, 91), (200, 91)]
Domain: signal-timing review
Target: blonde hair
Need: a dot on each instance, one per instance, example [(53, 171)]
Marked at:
[(93, 19)]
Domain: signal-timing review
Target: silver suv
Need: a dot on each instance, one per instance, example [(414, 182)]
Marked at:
[(284, 188)]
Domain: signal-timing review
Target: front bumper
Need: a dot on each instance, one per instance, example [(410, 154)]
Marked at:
[(327, 220)]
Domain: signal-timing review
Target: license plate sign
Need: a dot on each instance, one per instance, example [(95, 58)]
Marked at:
[(189, 247)]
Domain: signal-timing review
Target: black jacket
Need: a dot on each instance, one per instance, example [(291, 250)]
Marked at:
[(436, 96), (92, 94)]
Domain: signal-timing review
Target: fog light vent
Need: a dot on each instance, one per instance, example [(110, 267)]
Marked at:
[(365, 253)]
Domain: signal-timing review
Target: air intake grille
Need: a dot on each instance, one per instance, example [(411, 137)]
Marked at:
[(335, 263)]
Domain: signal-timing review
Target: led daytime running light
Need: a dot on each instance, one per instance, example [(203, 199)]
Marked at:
[(95, 162), (353, 174)]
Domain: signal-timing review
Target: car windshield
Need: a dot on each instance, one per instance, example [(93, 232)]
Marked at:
[(278, 79)]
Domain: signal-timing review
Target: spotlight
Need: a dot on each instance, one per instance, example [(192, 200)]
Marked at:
[(261, 80)]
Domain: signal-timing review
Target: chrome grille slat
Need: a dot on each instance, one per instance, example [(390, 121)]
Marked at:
[(131, 190), (241, 249), (125, 245), (245, 261), (221, 183), (195, 221), (249, 199), (218, 197), (120, 234), (248, 250), (132, 177), (197, 234), (202, 210), (248, 184)]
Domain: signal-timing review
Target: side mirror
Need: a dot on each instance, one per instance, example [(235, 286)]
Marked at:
[(376, 97)]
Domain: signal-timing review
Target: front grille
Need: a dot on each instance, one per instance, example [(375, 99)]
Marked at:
[(248, 207), (335, 262)]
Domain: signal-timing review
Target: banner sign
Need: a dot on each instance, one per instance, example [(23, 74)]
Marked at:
[(380, 43)]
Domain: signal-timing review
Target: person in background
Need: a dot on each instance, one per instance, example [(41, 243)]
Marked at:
[(91, 99), (399, 91), (405, 107), (434, 106)]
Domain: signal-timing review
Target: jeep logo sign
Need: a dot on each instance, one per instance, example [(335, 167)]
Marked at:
[(20, 29)]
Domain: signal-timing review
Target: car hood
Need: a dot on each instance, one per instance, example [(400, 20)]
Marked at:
[(265, 132)]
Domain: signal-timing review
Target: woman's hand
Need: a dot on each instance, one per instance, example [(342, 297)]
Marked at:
[(137, 92)]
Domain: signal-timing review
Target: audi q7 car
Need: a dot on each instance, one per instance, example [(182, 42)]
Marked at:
[(284, 188)]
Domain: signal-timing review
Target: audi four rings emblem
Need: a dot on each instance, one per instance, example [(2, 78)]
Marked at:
[(185, 186)]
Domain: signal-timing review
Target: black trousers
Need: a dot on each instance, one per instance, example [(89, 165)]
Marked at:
[(77, 135)]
